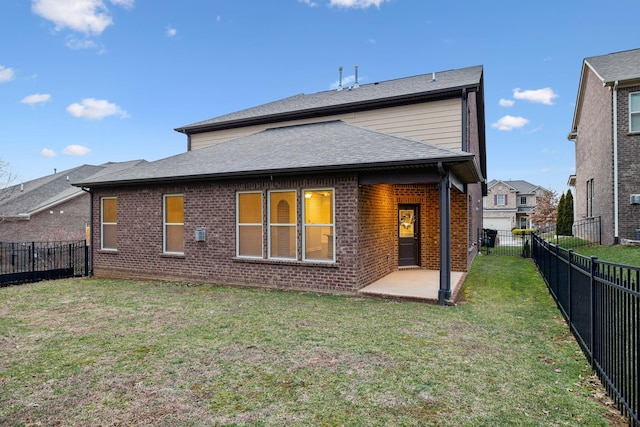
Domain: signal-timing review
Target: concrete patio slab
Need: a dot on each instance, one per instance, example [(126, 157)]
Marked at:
[(414, 284)]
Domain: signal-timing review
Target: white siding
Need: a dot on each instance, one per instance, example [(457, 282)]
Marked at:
[(437, 122)]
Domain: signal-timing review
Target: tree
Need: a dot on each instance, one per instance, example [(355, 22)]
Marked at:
[(565, 215), (561, 227), (544, 214)]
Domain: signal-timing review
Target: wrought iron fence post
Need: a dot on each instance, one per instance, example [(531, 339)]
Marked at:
[(569, 281), (592, 311)]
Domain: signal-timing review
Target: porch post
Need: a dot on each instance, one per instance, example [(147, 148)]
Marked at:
[(444, 190)]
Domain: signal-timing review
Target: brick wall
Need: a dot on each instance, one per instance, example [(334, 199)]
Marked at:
[(366, 234), (66, 221), (628, 168), (594, 155)]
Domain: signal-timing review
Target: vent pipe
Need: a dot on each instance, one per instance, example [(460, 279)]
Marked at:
[(433, 76), (340, 81), (356, 83)]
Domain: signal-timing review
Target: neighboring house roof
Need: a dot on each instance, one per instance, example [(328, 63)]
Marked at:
[(28, 198), (613, 68), (366, 96), (308, 148), (520, 186)]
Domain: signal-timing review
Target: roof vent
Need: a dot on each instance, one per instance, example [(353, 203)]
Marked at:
[(433, 76), (340, 84), (355, 85)]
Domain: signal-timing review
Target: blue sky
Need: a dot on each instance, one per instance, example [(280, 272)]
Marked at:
[(93, 81)]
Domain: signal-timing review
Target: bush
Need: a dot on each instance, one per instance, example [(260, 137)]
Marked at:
[(520, 231)]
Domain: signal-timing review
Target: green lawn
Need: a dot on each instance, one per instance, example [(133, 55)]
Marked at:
[(621, 254), (96, 352)]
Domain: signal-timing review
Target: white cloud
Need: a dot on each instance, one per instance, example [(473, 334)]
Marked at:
[(85, 16), (539, 96), (506, 102), (95, 109), (78, 44), (76, 150), (6, 74), (309, 3), (363, 4), (510, 122), (171, 32), (47, 152), (36, 98)]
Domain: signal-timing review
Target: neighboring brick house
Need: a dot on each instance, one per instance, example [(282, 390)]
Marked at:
[(606, 131), (49, 208), (509, 204), (328, 191)]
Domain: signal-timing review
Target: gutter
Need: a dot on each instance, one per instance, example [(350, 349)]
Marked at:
[(615, 163)]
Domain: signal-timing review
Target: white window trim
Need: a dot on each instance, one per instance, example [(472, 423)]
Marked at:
[(269, 223), (165, 224), (504, 201), (332, 225), (102, 223), (261, 224), (633, 113)]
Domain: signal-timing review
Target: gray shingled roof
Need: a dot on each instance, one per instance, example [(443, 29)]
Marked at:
[(366, 93), (521, 186), (30, 197), (307, 148), (616, 66)]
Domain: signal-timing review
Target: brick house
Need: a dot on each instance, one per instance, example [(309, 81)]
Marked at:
[(509, 204), (49, 208), (606, 131), (326, 192)]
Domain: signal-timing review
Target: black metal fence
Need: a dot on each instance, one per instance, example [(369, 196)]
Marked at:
[(34, 261), (601, 303), (584, 232), (505, 242)]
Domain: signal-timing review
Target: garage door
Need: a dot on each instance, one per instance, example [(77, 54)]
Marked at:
[(497, 223)]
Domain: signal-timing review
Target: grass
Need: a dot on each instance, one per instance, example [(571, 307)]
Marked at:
[(621, 254), (97, 352)]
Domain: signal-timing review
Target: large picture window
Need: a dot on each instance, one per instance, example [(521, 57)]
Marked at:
[(282, 224), (173, 224), (318, 224), (109, 223), (249, 224), (634, 112)]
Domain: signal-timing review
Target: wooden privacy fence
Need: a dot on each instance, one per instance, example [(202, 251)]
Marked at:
[(601, 303), (26, 262)]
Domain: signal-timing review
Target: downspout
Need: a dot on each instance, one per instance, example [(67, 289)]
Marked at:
[(90, 272), (615, 163), (444, 192)]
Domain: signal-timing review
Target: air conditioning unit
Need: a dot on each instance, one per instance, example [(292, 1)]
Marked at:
[(635, 199), (201, 234)]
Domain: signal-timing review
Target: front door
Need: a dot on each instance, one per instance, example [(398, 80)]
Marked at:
[(408, 235)]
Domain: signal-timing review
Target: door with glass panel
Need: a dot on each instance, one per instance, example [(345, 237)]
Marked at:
[(408, 235)]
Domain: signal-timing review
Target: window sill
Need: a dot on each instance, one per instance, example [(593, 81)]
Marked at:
[(107, 251), (291, 262), (176, 256)]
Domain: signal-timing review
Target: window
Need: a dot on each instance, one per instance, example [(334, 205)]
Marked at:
[(109, 223), (282, 224), (500, 200), (318, 223), (634, 112), (173, 224), (523, 200), (590, 198), (249, 224)]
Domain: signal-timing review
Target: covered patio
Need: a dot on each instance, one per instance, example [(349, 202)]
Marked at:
[(414, 284)]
